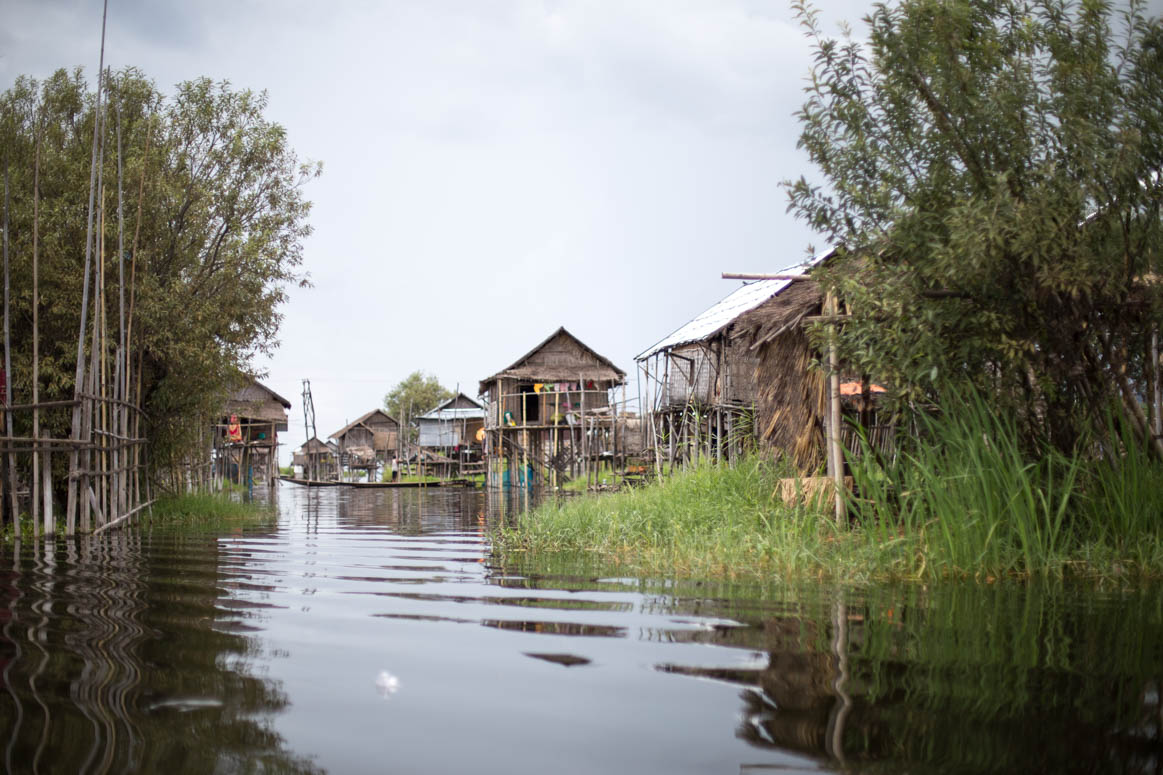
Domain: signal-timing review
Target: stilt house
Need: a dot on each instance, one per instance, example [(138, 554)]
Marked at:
[(247, 437), (315, 461), (549, 413), (706, 383), (368, 443), (454, 429), (791, 395)]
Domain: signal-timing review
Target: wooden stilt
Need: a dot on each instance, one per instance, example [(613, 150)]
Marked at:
[(36, 337), (12, 499), (835, 458), (79, 381), (46, 494)]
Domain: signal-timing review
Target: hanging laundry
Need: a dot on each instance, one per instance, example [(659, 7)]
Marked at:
[(538, 387)]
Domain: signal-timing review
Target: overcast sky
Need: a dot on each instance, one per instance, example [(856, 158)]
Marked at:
[(492, 170)]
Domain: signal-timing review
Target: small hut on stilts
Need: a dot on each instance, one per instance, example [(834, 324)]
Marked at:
[(246, 438), (550, 416)]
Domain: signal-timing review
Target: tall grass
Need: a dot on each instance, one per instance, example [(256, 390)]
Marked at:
[(970, 495), (208, 511), (708, 521), (965, 499)]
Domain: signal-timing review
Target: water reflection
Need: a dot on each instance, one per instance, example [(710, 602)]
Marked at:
[(957, 679), (370, 631), (121, 654)]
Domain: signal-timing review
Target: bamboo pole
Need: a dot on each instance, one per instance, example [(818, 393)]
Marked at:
[(1157, 394), (8, 367), (98, 425), (118, 379), (35, 488), (46, 494), (132, 396), (835, 460), (78, 384)]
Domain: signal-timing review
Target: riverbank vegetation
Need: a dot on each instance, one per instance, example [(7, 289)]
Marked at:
[(196, 224), (963, 500), (198, 511), (208, 510)]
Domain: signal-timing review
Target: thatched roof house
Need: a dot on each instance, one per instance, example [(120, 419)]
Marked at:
[(256, 404), (551, 410), (701, 381), (561, 357), (369, 439), (534, 387), (315, 460), (790, 395), (246, 436)]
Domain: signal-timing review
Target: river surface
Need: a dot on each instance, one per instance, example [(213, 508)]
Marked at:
[(372, 631)]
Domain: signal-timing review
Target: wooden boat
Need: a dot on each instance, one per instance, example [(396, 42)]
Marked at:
[(379, 485)]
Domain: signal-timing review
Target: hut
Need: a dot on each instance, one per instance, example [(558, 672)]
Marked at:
[(791, 393), (742, 373), (315, 461), (550, 413), (367, 443), (246, 440), (700, 381), (454, 429)]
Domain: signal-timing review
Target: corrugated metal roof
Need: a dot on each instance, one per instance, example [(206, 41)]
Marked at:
[(722, 314), (460, 413)]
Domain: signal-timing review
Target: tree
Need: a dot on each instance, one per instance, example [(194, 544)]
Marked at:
[(223, 219), (413, 396), (991, 171)]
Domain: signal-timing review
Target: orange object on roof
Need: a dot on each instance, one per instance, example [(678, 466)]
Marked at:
[(856, 388)]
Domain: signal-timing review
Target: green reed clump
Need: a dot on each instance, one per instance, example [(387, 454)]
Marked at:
[(969, 499), (203, 509), (710, 520), (964, 498)]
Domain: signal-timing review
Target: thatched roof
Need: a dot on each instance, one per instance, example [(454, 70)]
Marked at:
[(373, 420), (780, 313), (313, 446), (791, 399), (256, 401), (562, 357)]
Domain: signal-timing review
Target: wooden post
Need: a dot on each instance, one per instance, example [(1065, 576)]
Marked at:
[(46, 494), (79, 381), (35, 488), (585, 439), (1157, 394), (835, 458), (8, 370)]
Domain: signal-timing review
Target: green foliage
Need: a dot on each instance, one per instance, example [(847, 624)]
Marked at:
[(413, 396), (964, 499), (991, 170), (212, 511), (709, 521), (970, 495), (222, 225)]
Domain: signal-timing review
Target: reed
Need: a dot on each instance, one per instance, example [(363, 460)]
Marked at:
[(207, 510), (964, 500), (710, 520), (970, 496)]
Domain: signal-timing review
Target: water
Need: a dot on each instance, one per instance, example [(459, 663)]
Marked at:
[(370, 631)]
